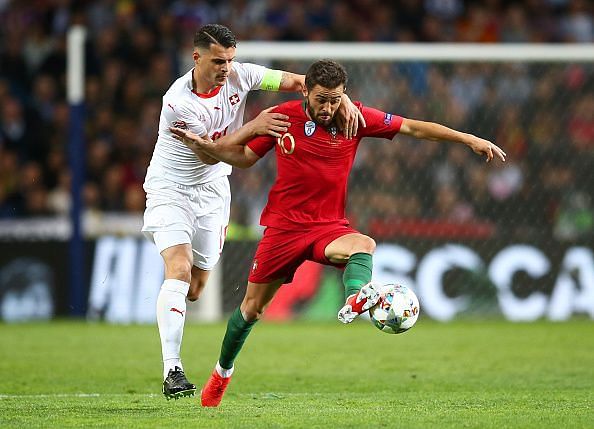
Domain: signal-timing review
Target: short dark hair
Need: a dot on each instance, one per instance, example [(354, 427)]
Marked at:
[(326, 73), (214, 33)]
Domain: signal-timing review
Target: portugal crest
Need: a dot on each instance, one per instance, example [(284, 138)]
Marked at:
[(310, 128)]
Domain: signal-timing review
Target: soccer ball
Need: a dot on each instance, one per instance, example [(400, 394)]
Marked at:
[(397, 310)]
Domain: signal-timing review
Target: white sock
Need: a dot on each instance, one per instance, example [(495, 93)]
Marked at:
[(225, 373), (171, 315), (171, 364)]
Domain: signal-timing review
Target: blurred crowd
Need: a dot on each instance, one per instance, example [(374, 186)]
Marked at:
[(542, 115)]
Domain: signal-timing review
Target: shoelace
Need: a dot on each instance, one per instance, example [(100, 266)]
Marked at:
[(218, 385), (178, 376)]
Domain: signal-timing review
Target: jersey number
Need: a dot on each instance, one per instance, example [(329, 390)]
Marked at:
[(286, 143)]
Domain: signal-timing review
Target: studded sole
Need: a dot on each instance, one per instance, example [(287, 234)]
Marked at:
[(177, 395)]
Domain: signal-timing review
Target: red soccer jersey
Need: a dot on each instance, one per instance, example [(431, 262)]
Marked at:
[(313, 166)]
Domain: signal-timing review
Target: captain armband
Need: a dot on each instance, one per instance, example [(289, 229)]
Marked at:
[(271, 80)]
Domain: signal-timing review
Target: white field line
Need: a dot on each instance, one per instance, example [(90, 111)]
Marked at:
[(261, 395), (76, 395)]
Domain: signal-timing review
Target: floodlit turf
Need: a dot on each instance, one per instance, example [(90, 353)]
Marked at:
[(305, 375)]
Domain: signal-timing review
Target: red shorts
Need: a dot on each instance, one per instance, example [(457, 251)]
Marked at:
[(281, 252)]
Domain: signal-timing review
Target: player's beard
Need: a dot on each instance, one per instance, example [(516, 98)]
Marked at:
[(316, 118), (221, 80)]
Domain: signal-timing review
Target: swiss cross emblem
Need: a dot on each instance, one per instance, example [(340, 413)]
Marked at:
[(234, 99)]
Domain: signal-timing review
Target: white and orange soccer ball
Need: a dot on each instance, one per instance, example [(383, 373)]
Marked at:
[(397, 310)]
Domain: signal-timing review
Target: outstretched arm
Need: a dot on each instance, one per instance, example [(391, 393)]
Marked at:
[(433, 131), (232, 148), (234, 151)]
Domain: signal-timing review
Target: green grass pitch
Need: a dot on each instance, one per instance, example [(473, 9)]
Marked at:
[(466, 374)]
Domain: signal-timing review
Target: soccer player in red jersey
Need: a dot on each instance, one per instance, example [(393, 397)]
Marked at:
[(305, 214)]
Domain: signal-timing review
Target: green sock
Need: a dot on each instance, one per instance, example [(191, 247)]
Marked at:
[(357, 273), (237, 331)]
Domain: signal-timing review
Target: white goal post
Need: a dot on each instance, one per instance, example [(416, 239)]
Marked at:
[(416, 51), (442, 52)]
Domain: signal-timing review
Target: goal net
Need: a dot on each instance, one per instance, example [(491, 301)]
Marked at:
[(471, 238)]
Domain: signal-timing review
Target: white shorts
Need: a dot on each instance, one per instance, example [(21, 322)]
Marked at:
[(196, 215)]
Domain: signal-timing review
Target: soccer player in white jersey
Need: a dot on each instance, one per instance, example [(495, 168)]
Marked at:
[(188, 196)]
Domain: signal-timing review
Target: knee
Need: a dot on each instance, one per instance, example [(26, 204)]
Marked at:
[(365, 245), (180, 269)]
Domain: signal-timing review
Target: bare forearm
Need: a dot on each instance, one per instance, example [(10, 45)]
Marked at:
[(292, 82), (202, 156), (232, 155), (231, 148), (237, 138), (432, 131)]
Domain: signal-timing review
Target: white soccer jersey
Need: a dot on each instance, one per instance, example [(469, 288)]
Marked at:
[(215, 114)]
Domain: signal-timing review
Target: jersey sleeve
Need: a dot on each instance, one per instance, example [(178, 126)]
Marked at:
[(179, 115), (261, 144), (379, 124), (251, 75), (193, 122)]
